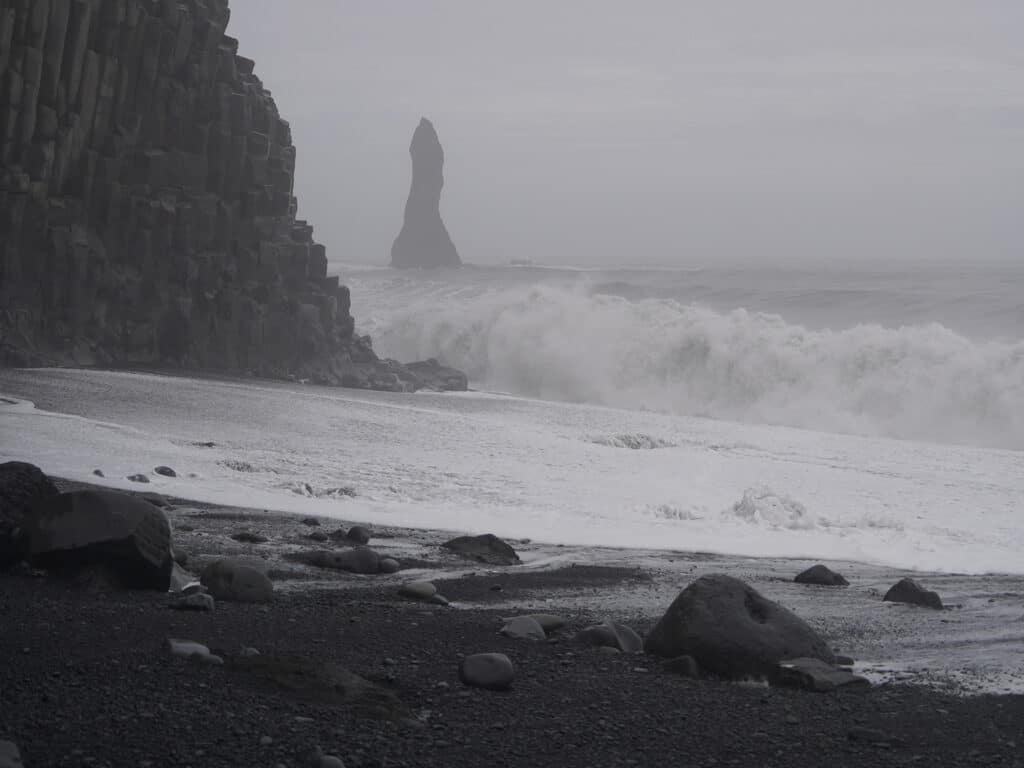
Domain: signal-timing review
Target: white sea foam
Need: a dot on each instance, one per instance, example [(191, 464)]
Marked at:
[(556, 342), (524, 468)]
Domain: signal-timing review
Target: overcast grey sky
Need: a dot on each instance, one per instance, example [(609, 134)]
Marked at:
[(661, 131)]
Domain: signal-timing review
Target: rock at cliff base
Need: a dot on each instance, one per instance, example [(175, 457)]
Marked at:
[(430, 374), (909, 591), (732, 631), (424, 241), (127, 535), (229, 579), (486, 548), (821, 575)]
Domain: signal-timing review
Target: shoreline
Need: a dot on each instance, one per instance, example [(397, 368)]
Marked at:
[(88, 660)]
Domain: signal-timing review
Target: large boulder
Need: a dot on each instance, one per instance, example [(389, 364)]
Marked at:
[(733, 631), (21, 486), (424, 240), (486, 548), (909, 591), (229, 579), (126, 535)]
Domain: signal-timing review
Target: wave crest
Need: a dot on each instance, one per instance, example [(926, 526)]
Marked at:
[(916, 382)]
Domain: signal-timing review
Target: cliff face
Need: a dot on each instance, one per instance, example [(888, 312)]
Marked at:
[(146, 206), (424, 240)]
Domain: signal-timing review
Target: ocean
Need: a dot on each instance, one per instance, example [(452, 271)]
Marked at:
[(873, 415)]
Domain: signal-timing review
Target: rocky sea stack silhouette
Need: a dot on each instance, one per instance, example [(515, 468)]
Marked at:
[(424, 241)]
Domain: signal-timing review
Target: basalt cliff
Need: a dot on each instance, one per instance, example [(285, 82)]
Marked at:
[(147, 214)]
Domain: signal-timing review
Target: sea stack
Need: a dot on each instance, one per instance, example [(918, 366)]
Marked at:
[(424, 241)]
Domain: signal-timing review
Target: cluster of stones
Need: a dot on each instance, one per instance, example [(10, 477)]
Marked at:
[(147, 212)]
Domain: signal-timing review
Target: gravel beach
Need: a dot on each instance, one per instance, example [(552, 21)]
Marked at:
[(88, 680)]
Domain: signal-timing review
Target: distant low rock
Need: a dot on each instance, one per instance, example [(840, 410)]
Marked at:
[(523, 628), (493, 671), (821, 575), (229, 579), (156, 499), (98, 473), (138, 478), (357, 560), (165, 471), (318, 536), (611, 635), (548, 621), (486, 548), (732, 630), (418, 590), (312, 522), (129, 537), (909, 591), (249, 537), (358, 534), (431, 374), (816, 675)]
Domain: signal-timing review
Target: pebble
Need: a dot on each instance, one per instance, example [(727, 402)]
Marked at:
[(266, 741)]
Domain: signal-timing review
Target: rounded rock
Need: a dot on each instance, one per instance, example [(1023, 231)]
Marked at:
[(491, 671), (418, 590), (389, 565)]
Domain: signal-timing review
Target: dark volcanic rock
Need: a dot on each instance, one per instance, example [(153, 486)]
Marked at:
[(126, 535), (493, 671), (909, 591), (138, 478), (816, 675), (732, 631), (233, 580), (432, 375), (486, 548), (358, 534), (165, 471), (424, 241), (611, 635), (822, 576), (248, 537), (21, 486)]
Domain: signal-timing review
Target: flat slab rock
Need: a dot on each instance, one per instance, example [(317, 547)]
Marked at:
[(523, 628), (486, 548), (816, 675)]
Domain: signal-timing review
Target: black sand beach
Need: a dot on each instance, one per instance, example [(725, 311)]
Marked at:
[(88, 680)]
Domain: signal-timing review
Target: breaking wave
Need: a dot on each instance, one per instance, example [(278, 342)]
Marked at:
[(559, 343)]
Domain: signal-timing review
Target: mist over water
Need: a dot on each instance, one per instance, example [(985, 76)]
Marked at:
[(936, 357)]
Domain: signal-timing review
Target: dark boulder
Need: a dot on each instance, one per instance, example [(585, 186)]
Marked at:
[(138, 478), (430, 374), (816, 675), (128, 536), (21, 486), (909, 591), (732, 631), (486, 548), (822, 576), (424, 240), (248, 537), (165, 471), (492, 671), (235, 580)]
